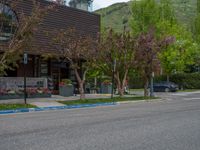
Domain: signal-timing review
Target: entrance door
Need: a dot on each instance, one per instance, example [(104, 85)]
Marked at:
[(56, 78)]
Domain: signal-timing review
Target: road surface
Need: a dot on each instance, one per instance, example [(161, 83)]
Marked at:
[(171, 124)]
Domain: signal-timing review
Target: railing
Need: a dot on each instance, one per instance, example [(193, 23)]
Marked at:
[(17, 83)]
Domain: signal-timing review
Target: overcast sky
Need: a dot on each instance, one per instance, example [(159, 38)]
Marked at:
[(97, 4), (104, 3)]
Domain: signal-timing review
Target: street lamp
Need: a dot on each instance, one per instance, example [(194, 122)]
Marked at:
[(25, 62)]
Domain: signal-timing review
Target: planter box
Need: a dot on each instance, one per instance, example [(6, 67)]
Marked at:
[(106, 89), (66, 90)]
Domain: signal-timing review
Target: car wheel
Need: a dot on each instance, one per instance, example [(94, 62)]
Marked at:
[(166, 89)]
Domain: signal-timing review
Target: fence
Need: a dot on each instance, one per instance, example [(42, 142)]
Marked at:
[(17, 83)]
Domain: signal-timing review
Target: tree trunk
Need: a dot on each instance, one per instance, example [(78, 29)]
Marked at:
[(146, 84), (120, 91), (81, 90), (121, 84), (80, 84)]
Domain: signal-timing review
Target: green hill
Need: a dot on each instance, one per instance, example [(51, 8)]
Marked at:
[(118, 15)]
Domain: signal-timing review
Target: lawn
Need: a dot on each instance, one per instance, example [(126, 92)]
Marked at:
[(15, 106), (189, 90), (105, 100)]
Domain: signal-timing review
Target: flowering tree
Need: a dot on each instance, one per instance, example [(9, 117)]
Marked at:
[(117, 49), (22, 32), (146, 57), (78, 50)]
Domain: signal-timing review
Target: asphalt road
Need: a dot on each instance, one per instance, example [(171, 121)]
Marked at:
[(172, 124)]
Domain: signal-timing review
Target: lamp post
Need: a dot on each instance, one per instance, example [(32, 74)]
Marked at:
[(25, 62), (113, 76)]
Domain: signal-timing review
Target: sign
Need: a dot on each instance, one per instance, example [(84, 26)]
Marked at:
[(25, 58)]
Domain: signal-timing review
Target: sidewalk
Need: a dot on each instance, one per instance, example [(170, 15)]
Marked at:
[(44, 104), (54, 98), (51, 102)]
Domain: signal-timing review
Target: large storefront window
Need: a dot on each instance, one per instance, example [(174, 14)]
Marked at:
[(8, 22)]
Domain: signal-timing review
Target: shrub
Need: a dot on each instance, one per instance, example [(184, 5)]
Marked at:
[(135, 82), (107, 82), (183, 80)]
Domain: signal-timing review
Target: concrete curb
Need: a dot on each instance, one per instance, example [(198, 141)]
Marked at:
[(24, 110), (137, 101)]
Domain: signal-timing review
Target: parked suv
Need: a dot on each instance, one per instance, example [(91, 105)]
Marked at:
[(165, 87)]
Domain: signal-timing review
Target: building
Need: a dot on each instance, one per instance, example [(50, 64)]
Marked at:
[(64, 17)]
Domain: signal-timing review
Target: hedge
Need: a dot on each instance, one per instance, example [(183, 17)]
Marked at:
[(136, 83), (183, 80)]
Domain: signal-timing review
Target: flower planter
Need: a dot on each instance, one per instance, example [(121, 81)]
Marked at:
[(66, 90), (106, 89)]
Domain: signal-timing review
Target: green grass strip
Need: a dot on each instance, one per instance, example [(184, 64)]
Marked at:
[(189, 90), (15, 106), (105, 100)]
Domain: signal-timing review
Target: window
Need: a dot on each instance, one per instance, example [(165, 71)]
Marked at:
[(8, 22)]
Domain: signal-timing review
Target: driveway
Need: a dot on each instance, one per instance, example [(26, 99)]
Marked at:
[(171, 124)]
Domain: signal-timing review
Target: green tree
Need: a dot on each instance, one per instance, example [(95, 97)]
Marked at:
[(196, 34), (181, 53), (161, 16), (148, 15), (144, 15)]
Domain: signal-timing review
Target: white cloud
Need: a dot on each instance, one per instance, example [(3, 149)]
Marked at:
[(104, 3), (97, 4)]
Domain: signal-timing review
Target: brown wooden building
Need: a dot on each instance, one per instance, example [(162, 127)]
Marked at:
[(62, 18)]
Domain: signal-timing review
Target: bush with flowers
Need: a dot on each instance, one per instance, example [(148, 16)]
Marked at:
[(18, 93), (65, 82), (3, 92), (33, 91)]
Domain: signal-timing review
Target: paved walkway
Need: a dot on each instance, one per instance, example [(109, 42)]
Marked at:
[(51, 102), (47, 104), (53, 99)]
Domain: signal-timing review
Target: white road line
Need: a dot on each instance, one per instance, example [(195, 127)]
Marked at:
[(187, 99)]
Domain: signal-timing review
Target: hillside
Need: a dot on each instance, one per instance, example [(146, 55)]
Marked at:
[(118, 15)]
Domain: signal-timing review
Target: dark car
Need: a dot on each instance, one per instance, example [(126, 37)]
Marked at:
[(165, 87)]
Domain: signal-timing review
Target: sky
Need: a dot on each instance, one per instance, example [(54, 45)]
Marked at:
[(97, 4)]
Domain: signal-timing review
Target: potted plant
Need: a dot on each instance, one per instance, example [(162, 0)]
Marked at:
[(106, 87), (66, 88)]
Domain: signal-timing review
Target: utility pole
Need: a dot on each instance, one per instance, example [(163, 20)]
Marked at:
[(151, 85), (113, 78), (25, 62)]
